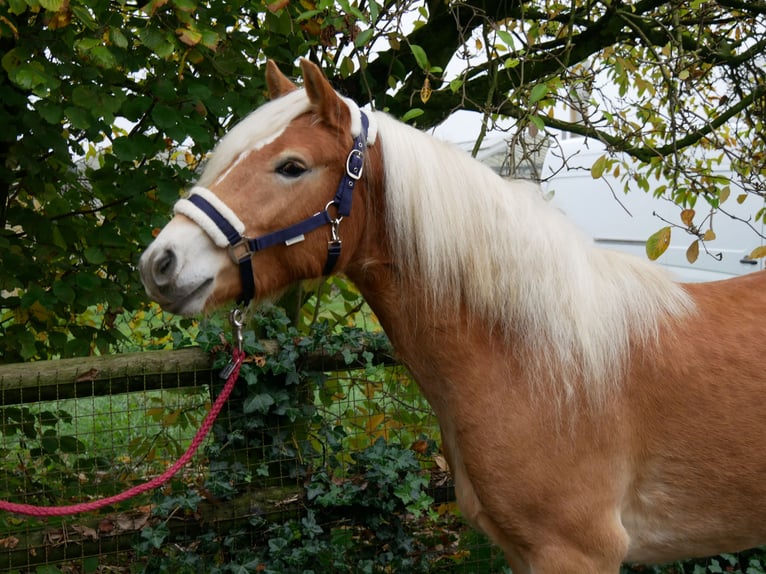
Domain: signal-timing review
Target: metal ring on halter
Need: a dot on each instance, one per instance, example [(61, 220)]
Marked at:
[(338, 219)]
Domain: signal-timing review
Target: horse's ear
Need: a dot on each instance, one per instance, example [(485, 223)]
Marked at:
[(277, 83), (321, 95)]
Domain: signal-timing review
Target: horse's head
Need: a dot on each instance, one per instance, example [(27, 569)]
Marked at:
[(267, 209)]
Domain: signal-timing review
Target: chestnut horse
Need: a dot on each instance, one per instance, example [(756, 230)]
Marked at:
[(592, 410)]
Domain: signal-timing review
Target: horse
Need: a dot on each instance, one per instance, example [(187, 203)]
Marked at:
[(593, 411)]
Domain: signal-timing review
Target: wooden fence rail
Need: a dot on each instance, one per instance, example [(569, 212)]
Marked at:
[(129, 372)]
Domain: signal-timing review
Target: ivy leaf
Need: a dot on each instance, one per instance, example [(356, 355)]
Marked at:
[(658, 243), (258, 403)]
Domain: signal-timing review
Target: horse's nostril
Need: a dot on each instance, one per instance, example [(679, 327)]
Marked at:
[(164, 265)]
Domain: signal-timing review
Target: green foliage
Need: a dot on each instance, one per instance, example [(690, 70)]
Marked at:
[(749, 562), (107, 110), (33, 438), (360, 508), (358, 523)]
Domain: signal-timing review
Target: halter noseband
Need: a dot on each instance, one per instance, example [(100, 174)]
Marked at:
[(227, 230)]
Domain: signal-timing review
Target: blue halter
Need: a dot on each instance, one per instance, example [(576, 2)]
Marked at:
[(242, 249)]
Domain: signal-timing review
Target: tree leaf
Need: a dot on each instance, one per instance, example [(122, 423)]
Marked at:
[(598, 167), (363, 38), (693, 252), (412, 114), (420, 57), (538, 93), (657, 243), (52, 5), (506, 37), (538, 122), (758, 253), (189, 36), (687, 216)]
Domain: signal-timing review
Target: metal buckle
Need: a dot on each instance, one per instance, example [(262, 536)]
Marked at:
[(240, 251), (355, 164)]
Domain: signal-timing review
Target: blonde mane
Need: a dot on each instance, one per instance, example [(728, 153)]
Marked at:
[(518, 264)]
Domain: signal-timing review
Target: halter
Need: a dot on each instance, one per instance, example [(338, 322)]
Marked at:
[(226, 230)]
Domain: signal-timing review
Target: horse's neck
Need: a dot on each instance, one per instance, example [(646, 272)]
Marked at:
[(428, 337)]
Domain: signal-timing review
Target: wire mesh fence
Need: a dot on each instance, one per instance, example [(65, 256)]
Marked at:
[(297, 471)]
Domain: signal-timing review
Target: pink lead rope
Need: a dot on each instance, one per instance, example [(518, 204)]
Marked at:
[(231, 372)]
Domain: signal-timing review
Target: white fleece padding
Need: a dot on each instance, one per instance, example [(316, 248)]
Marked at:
[(187, 208)]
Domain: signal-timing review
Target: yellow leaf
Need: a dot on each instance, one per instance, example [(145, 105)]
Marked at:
[(374, 422), (758, 252), (275, 7), (188, 36), (20, 316), (741, 198), (598, 167), (693, 252), (39, 312), (313, 27), (723, 195), (687, 216), (478, 44), (709, 235), (371, 388), (658, 243), (171, 418), (60, 19), (425, 91)]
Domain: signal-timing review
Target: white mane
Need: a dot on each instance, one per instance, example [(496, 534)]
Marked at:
[(518, 264)]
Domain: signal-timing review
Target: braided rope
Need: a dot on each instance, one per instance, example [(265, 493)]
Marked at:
[(207, 424)]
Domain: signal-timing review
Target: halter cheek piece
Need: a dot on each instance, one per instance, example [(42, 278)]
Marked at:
[(227, 230)]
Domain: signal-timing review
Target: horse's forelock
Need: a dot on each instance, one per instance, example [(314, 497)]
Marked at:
[(256, 130)]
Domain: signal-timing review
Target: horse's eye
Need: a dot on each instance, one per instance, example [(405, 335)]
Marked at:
[(291, 168)]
